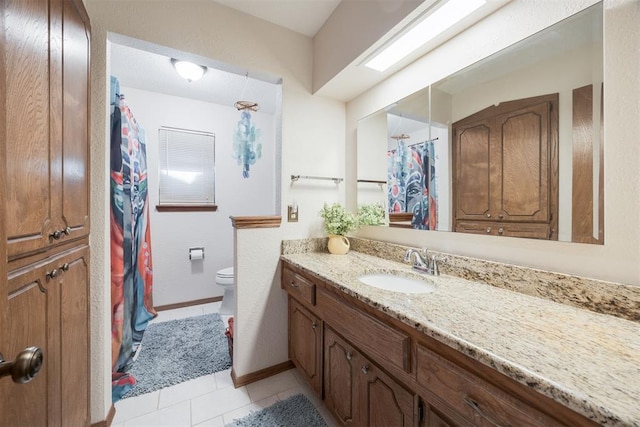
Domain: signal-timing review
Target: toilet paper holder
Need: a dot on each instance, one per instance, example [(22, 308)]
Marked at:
[(196, 253)]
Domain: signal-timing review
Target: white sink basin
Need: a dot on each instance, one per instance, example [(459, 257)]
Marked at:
[(395, 283)]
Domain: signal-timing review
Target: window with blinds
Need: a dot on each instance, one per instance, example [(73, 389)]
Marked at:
[(187, 167)]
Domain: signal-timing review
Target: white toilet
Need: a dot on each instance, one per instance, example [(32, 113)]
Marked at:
[(225, 279)]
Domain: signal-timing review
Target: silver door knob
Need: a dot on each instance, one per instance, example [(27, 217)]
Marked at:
[(26, 366)]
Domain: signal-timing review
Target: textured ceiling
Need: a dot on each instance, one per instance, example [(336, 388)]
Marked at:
[(153, 72)]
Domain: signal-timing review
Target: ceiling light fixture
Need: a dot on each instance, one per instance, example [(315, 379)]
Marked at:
[(426, 29), (188, 70)]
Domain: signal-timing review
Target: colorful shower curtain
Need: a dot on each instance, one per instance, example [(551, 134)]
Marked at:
[(131, 267), (411, 175)]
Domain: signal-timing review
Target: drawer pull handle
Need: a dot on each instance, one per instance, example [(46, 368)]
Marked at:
[(476, 407), (349, 355), (53, 274), (65, 267), (365, 369), (500, 230), (294, 285), (488, 229)]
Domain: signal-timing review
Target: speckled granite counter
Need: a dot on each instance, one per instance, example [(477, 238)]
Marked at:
[(587, 361)]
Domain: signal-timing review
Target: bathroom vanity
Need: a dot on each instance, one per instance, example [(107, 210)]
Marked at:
[(465, 354)]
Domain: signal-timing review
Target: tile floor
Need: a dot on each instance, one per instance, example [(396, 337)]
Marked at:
[(210, 400)]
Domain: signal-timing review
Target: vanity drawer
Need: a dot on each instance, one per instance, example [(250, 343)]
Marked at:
[(491, 228), (474, 399), (298, 287), (382, 342)]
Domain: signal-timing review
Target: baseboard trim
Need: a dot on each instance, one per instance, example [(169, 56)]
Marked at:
[(187, 303), (261, 374), (106, 422)]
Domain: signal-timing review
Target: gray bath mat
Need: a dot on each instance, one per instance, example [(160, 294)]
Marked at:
[(296, 411), (180, 350)]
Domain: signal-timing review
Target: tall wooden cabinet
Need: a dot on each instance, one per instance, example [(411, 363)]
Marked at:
[(505, 161), (44, 158)]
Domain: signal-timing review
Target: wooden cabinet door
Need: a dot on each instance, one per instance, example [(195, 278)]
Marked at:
[(473, 173), (305, 344), (27, 302), (74, 192), (48, 307), (31, 177), (341, 364), (74, 337), (383, 401), (523, 148), (46, 55)]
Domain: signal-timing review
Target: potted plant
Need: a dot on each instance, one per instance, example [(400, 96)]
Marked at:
[(337, 223)]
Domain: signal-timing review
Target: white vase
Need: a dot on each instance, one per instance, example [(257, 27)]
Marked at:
[(338, 245)]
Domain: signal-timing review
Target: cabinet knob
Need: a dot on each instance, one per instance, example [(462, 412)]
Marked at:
[(314, 325), (56, 235), (349, 355), (65, 267), (488, 229), (293, 284), (52, 274), (365, 369), (501, 216), (500, 230), (488, 215), (67, 231)]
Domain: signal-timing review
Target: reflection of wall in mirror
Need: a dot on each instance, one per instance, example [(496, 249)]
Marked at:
[(560, 74), (372, 159)]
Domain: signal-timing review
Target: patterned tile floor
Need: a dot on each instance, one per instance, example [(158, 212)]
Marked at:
[(210, 400)]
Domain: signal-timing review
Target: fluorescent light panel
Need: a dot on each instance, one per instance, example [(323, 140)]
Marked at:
[(443, 18)]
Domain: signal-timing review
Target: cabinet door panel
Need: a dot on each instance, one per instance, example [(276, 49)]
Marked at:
[(305, 340), (74, 338), (340, 364), (384, 401), (473, 175), (26, 325), (28, 197), (524, 147), (75, 134)]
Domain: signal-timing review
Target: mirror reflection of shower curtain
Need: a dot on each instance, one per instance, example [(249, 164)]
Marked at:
[(131, 266), (411, 175)]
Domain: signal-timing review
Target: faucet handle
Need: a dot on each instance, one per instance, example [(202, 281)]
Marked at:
[(434, 266)]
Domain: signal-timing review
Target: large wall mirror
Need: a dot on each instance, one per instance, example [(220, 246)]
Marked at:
[(509, 146)]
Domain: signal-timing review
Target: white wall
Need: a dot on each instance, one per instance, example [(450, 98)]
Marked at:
[(619, 258), (312, 133), (176, 278)]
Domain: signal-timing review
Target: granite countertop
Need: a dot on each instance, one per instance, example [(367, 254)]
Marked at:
[(587, 361)]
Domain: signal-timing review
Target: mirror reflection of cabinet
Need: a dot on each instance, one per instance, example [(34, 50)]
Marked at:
[(505, 168), (564, 59)]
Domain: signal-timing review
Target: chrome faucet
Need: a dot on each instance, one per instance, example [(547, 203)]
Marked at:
[(422, 262)]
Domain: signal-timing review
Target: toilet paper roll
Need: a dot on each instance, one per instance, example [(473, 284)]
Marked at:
[(196, 254)]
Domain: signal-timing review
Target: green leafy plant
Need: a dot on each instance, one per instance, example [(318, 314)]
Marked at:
[(337, 220), (371, 214)]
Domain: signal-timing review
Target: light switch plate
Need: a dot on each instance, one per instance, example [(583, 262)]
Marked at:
[(292, 215)]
